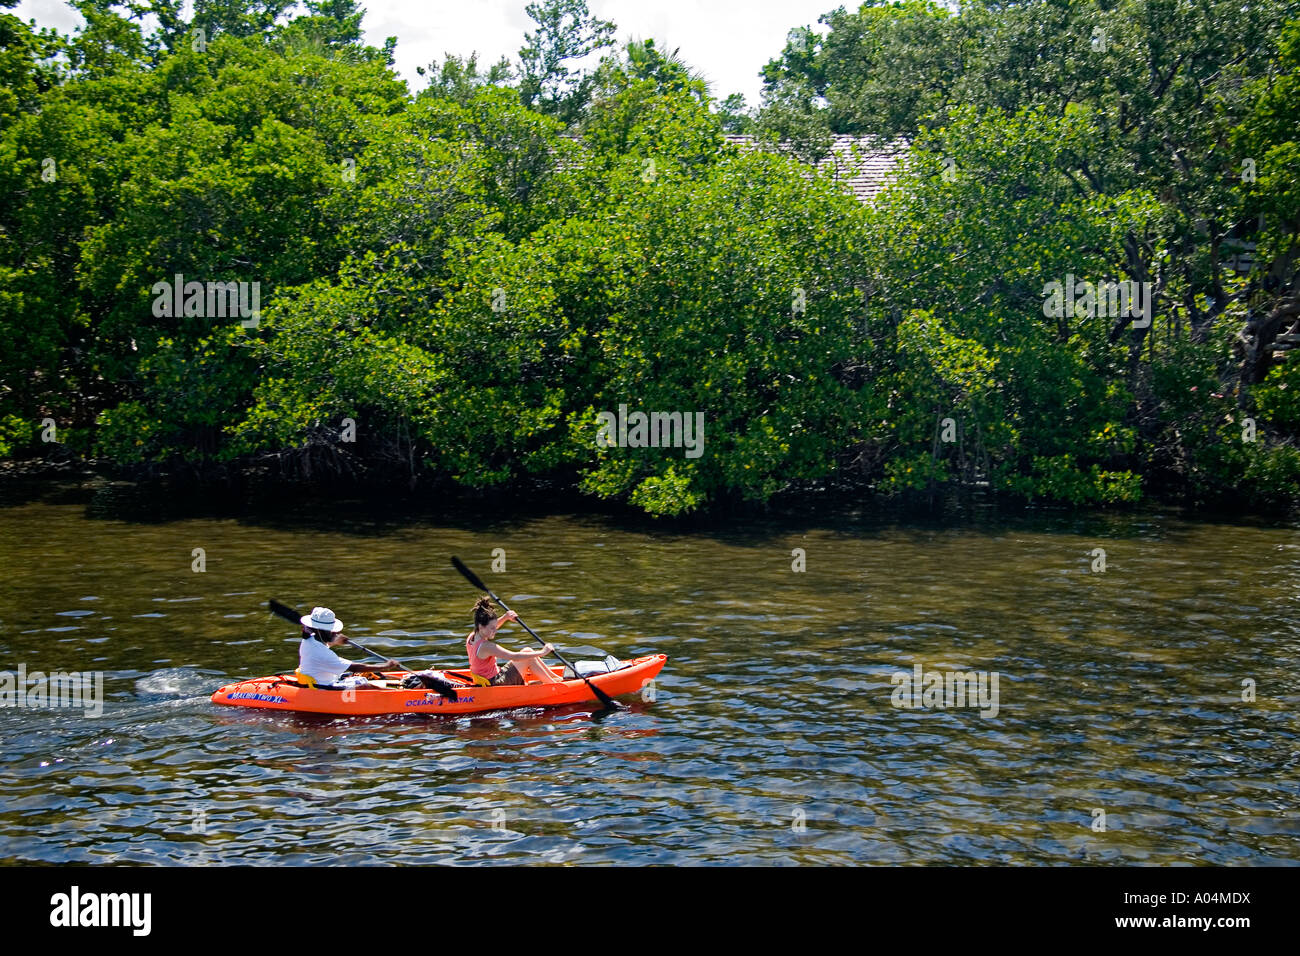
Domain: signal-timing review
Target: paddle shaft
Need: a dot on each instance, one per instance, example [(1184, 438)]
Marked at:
[(474, 579), (379, 656)]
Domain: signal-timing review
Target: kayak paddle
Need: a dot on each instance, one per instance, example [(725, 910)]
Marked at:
[(473, 579), (289, 614)]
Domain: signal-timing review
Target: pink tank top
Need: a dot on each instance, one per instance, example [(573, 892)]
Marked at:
[(482, 666)]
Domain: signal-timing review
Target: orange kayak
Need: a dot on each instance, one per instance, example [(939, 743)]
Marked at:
[(284, 692)]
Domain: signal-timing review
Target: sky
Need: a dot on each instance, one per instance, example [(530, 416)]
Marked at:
[(727, 41)]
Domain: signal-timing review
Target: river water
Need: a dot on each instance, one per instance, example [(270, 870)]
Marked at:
[(1145, 713)]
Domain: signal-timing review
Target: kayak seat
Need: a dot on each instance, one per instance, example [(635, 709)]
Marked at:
[(463, 677), (305, 680)]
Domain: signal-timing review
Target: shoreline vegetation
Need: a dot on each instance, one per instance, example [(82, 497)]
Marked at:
[(236, 250), (132, 494)]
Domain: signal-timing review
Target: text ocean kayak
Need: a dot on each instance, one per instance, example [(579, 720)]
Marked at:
[(283, 692)]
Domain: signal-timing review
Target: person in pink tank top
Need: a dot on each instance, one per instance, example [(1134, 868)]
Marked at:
[(522, 666)]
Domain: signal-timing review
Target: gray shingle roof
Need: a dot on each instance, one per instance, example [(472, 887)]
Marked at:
[(866, 164)]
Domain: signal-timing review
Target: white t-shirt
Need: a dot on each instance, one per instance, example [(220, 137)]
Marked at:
[(319, 662)]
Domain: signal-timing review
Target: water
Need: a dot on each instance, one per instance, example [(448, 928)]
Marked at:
[(771, 737)]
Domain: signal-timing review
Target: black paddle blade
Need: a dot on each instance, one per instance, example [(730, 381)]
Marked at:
[(609, 702), (469, 575), (284, 611), (442, 687), (429, 682)]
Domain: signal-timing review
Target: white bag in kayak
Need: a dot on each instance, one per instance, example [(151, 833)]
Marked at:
[(588, 668)]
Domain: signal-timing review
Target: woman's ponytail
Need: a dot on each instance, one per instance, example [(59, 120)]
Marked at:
[(483, 612)]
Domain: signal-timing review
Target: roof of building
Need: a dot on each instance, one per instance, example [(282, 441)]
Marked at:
[(866, 164)]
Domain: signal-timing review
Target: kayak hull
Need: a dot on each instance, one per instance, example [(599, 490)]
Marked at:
[(283, 692)]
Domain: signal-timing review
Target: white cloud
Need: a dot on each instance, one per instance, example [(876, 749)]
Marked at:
[(726, 40), (49, 13)]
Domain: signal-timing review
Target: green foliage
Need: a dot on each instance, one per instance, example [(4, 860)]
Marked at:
[(458, 284), (736, 117), (743, 270), (566, 31), (186, 397), (1256, 473), (650, 112), (324, 362), (25, 71), (241, 18), (884, 69), (14, 433), (1061, 478), (1278, 397), (459, 79), (1161, 86), (981, 222), (1268, 137)]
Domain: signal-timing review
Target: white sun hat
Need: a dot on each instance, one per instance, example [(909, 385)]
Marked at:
[(322, 619)]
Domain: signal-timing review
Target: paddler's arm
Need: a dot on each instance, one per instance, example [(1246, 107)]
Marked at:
[(504, 619), (496, 650), (361, 666)]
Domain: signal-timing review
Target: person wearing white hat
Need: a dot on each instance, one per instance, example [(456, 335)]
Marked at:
[(321, 631)]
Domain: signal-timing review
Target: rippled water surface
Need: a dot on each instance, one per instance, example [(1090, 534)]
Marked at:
[(772, 736)]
